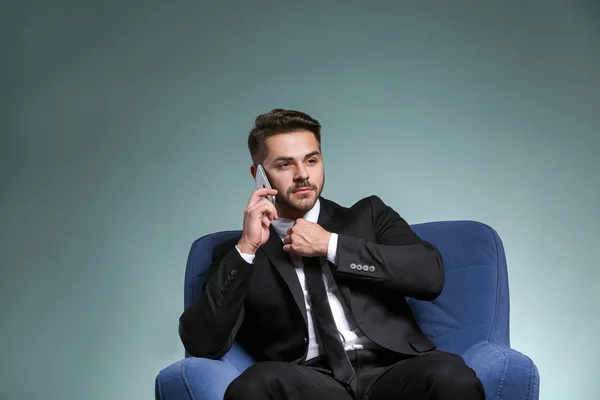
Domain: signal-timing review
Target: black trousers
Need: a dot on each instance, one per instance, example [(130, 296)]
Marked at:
[(380, 375)]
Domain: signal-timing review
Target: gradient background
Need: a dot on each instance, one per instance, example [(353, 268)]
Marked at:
[(123, 139)]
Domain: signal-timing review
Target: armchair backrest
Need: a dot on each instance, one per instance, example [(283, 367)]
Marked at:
[(474, 305)]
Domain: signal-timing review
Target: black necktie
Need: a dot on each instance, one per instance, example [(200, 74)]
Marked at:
[(334, 349)]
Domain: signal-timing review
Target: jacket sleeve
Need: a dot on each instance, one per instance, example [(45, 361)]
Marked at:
[(209, 326), (398, 259)]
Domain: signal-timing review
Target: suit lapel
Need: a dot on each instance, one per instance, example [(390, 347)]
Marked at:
[(283, 264), (329, 219), (326, 213)]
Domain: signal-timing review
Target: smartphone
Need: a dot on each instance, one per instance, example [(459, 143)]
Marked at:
[(261, 179)]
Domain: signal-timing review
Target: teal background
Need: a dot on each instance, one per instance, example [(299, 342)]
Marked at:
[(123, 139)]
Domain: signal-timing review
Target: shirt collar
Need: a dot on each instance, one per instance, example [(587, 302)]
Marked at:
[(282, 225)]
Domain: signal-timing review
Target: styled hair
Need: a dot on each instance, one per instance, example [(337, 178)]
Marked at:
[(277, 122)]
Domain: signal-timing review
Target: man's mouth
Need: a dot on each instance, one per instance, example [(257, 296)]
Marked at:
[(302, 190)]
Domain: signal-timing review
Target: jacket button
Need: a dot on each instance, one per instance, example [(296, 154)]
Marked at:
[(305, 339), (359, 267), (352, 266), (371, 268), (230, 278), (226, 283), (233, 271), (223, 290)]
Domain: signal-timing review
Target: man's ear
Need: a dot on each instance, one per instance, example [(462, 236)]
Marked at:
[(253, 171)]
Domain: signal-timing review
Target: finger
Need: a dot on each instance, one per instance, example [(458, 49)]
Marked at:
[(260, 193), (265, 221), (269, 211), (264, 207), (262, 202), (287, 239)]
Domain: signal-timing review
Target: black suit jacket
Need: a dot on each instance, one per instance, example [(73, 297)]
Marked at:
[(261, 305)]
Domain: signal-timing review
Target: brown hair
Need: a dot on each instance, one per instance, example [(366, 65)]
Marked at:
[(277, 122)]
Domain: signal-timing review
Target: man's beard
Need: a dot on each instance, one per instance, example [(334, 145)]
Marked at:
[(291, 202)]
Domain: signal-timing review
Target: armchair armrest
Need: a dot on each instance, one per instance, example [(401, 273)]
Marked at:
[(504, 372), (200, 378), (195, 379)]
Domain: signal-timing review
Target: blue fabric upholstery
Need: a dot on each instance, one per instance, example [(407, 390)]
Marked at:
[(470, 317)]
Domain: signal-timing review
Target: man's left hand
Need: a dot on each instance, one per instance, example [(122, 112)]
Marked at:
[(306, 239)]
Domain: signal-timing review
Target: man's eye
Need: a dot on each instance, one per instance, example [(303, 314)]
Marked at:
[(284, 165), (312, 161)]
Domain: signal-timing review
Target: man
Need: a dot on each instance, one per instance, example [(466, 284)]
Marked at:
[(315, 291)]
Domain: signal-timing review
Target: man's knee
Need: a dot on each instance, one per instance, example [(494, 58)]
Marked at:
[(256, 382), (451, 378)]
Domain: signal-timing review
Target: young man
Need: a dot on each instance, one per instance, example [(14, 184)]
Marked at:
[(315, 291)]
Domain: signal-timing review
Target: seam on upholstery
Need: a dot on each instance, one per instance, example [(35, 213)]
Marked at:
[(471, 266), (191, 262), (160, 391), (227, 361), (497, 301), (530, 383), (503, 372), (455, 331), (171, 378), (185, 381)]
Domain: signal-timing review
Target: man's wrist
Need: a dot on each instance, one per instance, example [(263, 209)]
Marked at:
[(332, 248), (246, 248), (325, 249)]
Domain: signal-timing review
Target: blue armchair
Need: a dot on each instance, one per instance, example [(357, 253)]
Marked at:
[(470, 317)]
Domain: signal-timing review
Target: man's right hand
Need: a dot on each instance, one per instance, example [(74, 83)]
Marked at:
[(257, 219)]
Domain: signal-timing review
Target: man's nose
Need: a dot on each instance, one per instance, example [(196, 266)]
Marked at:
[(301, 173)]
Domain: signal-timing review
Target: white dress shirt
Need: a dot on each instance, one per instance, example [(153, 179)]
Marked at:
[(350, 333)]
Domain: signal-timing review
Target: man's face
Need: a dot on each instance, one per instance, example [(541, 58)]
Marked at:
[(295, 168)]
